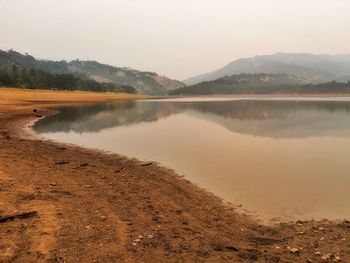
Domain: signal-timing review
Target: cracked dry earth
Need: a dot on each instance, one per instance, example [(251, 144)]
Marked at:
[(97, 207)]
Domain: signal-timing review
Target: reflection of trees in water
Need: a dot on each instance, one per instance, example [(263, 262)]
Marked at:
[(267, 109), (280, 119), (257, 117), (95, 117)]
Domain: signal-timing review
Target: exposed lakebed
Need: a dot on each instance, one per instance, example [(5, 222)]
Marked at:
[(285, 158)]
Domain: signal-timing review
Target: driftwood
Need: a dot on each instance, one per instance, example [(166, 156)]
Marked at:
[(147, 164), (62, 148), (23, 215), (61, 162)]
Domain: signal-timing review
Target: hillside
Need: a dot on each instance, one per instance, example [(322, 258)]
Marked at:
[(311, 68), (262, 83), (144, 82), (37, 79)]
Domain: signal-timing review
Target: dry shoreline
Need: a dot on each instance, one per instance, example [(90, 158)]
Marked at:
[(98, 207)]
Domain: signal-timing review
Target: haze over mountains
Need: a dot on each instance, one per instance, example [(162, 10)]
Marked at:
[(148, 83), (308, 68), (280, 72)]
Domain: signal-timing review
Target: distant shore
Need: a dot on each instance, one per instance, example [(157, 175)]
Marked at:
[(64, 203)]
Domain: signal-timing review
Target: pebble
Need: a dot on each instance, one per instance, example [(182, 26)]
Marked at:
[(53, 184), (134, 244), (293, 250), (103, 218), (336, 259)]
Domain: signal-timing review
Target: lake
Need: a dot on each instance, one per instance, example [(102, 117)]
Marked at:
[(285, 158)]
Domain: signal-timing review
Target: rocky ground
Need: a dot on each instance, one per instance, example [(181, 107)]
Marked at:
[(62, 203)]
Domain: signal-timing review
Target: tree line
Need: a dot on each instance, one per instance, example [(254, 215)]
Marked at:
[(38, 79), (253, 84)]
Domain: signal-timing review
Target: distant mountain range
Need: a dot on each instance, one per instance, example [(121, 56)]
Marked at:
[(148, 83), (307, 67), (262, 83)]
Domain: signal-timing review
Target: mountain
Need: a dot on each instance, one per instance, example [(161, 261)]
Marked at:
[(148, 83), (311, 68), (262, 83)]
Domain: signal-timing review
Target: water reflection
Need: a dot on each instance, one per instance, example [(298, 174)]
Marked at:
[(275, 119), (279, 158), (96, 117)]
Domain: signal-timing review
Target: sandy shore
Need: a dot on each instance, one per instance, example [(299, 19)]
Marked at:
[(63, 203)]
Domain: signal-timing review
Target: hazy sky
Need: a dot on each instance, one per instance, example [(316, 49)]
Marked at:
[(177, 38)]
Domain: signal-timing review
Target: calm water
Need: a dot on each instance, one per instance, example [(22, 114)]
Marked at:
[(279, 158)]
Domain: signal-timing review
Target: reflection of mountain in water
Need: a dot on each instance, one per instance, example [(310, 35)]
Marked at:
[(280, 119), (276, 119), (96, 117)]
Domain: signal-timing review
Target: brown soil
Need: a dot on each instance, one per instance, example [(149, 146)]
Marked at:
[(98, 207)]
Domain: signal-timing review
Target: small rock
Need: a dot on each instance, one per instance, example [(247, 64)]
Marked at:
[(137, 240), (150, 236), (336, 259), (39, 116), (147, 164), (134, 244), (140, 236), (309, 260), (293, 250), (103, 218), (321, 228), (299, 223), (317, 253), (53, 184), (84, 164)]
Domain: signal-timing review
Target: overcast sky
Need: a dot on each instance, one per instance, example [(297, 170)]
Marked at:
[(177, 38)]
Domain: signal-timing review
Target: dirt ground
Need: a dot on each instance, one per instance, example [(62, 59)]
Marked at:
[(63, 203)]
